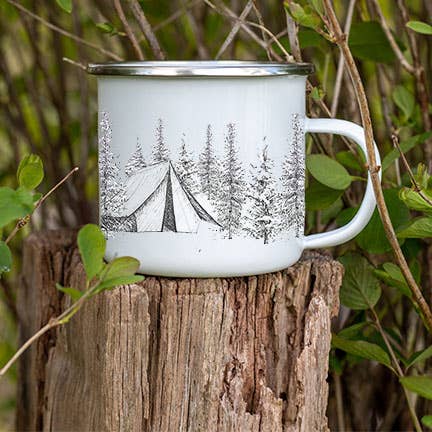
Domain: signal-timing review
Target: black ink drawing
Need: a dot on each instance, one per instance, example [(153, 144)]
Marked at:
[(262, 214), (208, 168), (213, 194), (112, 191), (157, 200), (232, 186), (136, 161), (292, 206)]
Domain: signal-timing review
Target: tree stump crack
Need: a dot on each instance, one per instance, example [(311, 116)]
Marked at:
[(240, 354)]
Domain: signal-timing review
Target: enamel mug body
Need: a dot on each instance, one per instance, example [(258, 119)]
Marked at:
[(202, 166)]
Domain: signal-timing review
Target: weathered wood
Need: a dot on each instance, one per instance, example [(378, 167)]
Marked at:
[(235, 354)]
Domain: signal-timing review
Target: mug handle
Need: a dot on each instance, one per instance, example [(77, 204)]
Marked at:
[(364, 213)]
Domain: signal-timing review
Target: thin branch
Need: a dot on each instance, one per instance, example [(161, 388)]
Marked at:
[(263, 33), (225, 11), (398, 370), (292, 29), (417, 188), (52, 323), (128, 29), (338, 36), (203, 52), (176, 15), (420, 78), (236, 27), (75, 63), (146, 29), (341, 63), (64, 32), (395, 47), (24, 221)]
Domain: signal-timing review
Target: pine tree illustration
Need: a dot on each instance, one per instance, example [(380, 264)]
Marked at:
[(232, 186), (160, 151), (292, 209), (136, 161), (112, 191), (262, 217), (186, 168), (208, 168)]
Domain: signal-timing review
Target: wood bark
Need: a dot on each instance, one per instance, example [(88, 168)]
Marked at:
[(235, 354)]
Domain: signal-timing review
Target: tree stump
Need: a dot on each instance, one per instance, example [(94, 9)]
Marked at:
[(236, 354)]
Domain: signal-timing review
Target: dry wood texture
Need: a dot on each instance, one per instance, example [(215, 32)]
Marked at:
[(235, 354)]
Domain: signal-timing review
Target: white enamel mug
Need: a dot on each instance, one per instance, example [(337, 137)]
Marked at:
[(202, 165)]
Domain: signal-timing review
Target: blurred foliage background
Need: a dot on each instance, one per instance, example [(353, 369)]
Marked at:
[(48, 106)]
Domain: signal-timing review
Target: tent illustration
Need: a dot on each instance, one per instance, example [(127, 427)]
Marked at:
[(156, 200)]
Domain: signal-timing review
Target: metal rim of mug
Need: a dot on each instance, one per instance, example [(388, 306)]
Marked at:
[(215, 68)]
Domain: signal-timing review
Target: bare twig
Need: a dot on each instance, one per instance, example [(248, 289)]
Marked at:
[(52, 323), (338, 37), (203, 52), (386, 113), (225, 11), (420, 78), (292, 29), (64, 32), (24, 221), (341, 62), (399, 54), (417, 188), (128, 29), (398, 369), (75, 63), (176, 15), (236, 27), (263, 33), (146, 29)]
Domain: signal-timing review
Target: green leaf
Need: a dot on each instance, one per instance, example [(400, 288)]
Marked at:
[(368, 41), (310, 38), (108, 28), (360, 288), (318, 6), (420, 27), (362, 349), (73, 293), (328, 171), (30, 172), (404, 100), (320, 197), (414, 201), (304, 16), (348, 160), (91, 244), (422, 385), (14, 204), (331, 212), (427, 421), (353, 332), (373, 239), (405, 146), (5, 258), (418, 228), (66, 5), (392, 276), (117, 281), (419, 356), (123, 266), (317, 93)]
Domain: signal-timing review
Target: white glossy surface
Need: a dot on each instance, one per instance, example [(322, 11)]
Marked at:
[(362, 217), (182, 255), (262, 106)]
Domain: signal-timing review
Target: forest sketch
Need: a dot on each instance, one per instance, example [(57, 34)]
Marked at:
[(212, 192)]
